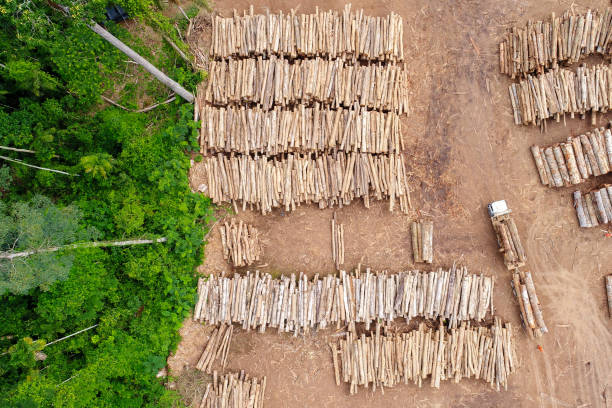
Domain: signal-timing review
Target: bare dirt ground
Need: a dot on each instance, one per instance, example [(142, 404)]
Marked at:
[(463, 151)]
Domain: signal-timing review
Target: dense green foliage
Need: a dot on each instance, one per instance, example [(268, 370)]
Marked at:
[(132, 183)]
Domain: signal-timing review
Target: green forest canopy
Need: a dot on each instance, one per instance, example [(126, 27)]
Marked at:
[(129, 181)]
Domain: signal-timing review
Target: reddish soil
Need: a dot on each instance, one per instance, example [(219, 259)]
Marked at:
[(463, 151)]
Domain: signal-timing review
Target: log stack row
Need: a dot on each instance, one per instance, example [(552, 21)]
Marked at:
[(561, 91), (529, 305), (350, 35), (565, 39), (240, 243), (298, 129), (570, 163), (509, 241), (595, 207), (441, 354), (337, 231), (235, 390), (216, 349), (422, 241), (258, 301), (291, 180), (283, 82)]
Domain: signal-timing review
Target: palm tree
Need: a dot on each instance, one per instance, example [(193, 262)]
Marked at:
[(98, 165)]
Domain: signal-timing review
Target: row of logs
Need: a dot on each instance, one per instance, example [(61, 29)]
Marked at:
[(441, 354), (559, 91), (330, 179), (422, 241), (298, 129), (217, 348), (337, 242), (529, 305), (281, 82), (257, 301), (595, 207), (570, 163), (545, 44), (350, 35), (240, 243), (509, 241), (235, 390)]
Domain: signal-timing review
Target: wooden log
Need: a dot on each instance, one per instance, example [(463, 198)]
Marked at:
[(609, 293), (535, 303), (539, 162), (427, 245), (584, 220)]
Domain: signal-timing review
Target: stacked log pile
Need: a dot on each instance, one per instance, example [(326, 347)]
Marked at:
[(298, 129), (609, 294), (257, 301), (509, 241), (283, 82), (561, 91), (289, 181), (234, 390), (564, 39), (595, 207), (529, 305), (217, 348), (240, 243), (580, 158), (350, 35), (441, 354), (337, 242), (422, 241)]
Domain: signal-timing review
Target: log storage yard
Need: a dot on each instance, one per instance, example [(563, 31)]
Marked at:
[(413, 205)]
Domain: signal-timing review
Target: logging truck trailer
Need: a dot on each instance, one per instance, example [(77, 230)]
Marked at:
[(508, 238)]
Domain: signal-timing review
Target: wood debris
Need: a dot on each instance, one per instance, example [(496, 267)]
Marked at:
[(235, 390), (216, 349), (441, 354), (337, 242), (546, 44), (350, 35), (284, 82), (594, 207), (561, 91), (571, 163), (422, 241), (288, 181), (240, 243), (531, 311), (258, 301), (235, 129), (509, 241)]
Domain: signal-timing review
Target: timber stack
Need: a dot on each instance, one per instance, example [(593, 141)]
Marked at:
[(561, 39), (570, 163), (350, 35), (609, 294), (236, 390), (240, 243), (422, 241), (305, 108), (509, 241), (530, 309), (594, 207), (258, 301), (285, 82), (217, 348), (337, 242), (288, 181), (441, 354)]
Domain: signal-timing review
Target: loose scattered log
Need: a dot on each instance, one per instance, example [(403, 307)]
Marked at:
[(442, 354), (594, 207), (558, 92), (350, 35), (217, 348), (289, 181), (337, 242), (256, 301), (564, 39), (298, 129), (284, 82), (240, 243), (530, 309), (609, 293), (234, 390), (422, 241)]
